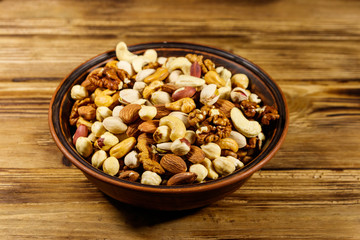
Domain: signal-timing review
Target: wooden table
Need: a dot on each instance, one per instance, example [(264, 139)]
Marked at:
[(309, 190)]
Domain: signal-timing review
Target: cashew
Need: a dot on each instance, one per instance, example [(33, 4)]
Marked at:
[(148, 90), (138, 63), (122, 52), (164, 147), (161, 60), (212, 77), (243, 125), (238, 164), (159, 75), (185, 105), (190, 135), (212, 174), (225, 74), (180, 63), (182, 116), (125, 65), (224, 92), (144, 74), (174, 75), (190, 81), (200, 171), (228, 144), (177, 127), (139, 86)]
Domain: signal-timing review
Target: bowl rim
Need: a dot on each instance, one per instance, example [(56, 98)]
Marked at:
[(213, 184)]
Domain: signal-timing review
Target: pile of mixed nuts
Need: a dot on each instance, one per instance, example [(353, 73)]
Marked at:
[(167, 121)]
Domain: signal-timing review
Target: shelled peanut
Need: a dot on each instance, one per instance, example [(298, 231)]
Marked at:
[(167, 121)]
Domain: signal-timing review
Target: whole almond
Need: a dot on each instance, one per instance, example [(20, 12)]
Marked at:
[(130, 113), (162, 111), (195, 155), (225, 106), (173, 164), (133, 129), (129, 175), (149, 126), (182, 178)]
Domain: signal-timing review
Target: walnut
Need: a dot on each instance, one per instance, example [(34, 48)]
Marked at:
[(268, 115), (212, 124), (249, 108), (74, 115), (206, 65), (107, 77)]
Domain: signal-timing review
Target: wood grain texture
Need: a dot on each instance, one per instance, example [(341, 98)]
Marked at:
[(309, 190)]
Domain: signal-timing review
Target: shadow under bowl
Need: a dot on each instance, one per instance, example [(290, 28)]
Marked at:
[(170, 197)]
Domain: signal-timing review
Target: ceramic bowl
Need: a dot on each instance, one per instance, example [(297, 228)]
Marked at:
[(169, 197)]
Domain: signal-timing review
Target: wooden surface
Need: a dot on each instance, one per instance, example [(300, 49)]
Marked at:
[(309, 190)]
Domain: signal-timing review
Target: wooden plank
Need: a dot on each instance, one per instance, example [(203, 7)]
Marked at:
[(298, 204)]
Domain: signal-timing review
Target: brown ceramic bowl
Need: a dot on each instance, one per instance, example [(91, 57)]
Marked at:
[(166, 197)]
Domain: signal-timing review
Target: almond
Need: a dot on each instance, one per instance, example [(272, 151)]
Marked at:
[(195, 155), (173, 164), (162, 111), (130, 113), (182, 178), (169, 88), (129, 175), (149, 126), (225, 106), (133, 129)]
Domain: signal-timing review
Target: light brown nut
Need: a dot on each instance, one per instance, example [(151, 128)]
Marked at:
[(103, 100), (180, 146), (212, 77), (195, 155), (129, 175), (122, 148), (190, 135), (149, 126), (151, 88), (225, 106), (114, 125), (161, 111), (130, 113), (84, 122), (159, 75), (190, 81), (150, 178), (185, 105), (212, 174), (183, 93), (200, 171), (182, 178), (98, 158), (160, 97), (223, 166), (180, 63), (133, 129), (240, 80), (229, 144), (84, 146), (173, 164), (111, 166), (238, 164), (182, 116), (87, 112)]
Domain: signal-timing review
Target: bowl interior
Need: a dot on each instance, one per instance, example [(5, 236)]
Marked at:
[(260, 83)]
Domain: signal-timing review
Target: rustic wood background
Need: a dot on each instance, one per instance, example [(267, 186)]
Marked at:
[(309, 190)]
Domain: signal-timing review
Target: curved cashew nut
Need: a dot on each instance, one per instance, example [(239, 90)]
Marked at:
[(177, 127), (150, 55), (122, 52), (185, 105), (180, 63), (243, 125), (139, 62)]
